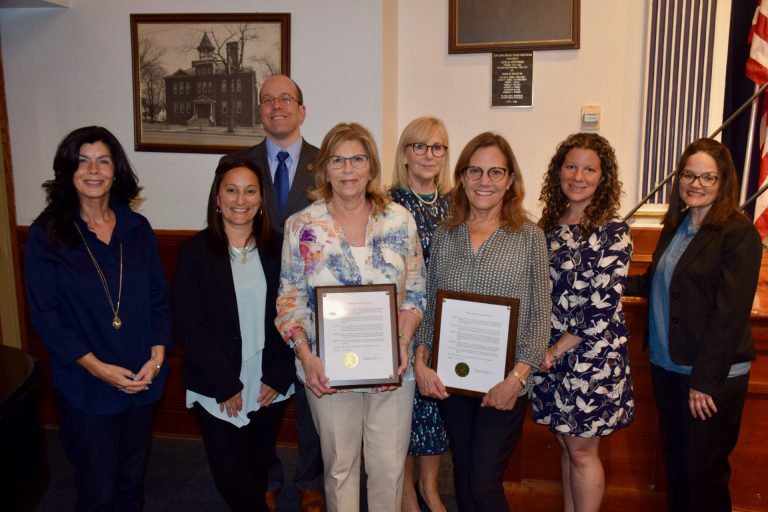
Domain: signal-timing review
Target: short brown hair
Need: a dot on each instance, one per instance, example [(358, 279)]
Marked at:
[(344, 132), (513, 215)]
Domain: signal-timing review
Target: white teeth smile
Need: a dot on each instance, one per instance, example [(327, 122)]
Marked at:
[(483, 193)]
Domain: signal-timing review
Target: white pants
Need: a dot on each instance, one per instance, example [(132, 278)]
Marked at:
[(381, 424)]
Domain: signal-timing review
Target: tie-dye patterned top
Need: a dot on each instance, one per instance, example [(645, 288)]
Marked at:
[(315, 253)]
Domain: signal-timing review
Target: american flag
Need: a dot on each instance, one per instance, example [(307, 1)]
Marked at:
[(757, 71)]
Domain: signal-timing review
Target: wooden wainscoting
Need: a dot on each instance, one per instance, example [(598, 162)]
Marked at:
[(632, 457)]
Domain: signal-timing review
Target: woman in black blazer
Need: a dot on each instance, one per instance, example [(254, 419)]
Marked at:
[(238, 372), (701, 285)]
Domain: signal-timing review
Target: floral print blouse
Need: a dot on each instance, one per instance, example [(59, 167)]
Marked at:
[(316, 253)]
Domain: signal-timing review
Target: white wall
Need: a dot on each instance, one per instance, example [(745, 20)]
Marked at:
[(66, 68), (607, 69)]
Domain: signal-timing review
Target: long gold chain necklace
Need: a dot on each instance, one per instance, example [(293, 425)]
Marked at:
[(116, 322)]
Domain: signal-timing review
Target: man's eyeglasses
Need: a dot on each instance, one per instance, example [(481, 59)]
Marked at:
[(706, 180), (338, 162), (474, 173), (284, 100), (419, 148)]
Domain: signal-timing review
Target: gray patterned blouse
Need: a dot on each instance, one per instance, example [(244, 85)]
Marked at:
[(509, 264)]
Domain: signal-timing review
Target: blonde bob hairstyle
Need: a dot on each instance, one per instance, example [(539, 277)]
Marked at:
[(420, 130), (344, 132), (513, 215)]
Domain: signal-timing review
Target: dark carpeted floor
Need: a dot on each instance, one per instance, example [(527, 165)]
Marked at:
[(178, 478)]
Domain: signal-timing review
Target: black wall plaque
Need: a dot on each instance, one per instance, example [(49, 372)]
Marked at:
[(512, 81)]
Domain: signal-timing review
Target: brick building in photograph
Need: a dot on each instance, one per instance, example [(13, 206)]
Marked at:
[(206, 95)]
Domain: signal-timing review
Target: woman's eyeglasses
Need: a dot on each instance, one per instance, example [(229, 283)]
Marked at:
[(706, 180), (338, 162), (474, 173), (420, 149)]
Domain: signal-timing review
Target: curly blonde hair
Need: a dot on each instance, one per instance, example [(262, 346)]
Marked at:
[(344, 132), (605, 202)]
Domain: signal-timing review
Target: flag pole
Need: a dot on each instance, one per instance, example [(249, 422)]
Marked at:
[(711, 136), (748, 150)]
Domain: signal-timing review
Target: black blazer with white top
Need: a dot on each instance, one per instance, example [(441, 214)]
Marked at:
[(208, 326)]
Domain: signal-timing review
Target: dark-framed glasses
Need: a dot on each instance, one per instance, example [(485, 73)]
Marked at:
[(474, 173), (285, 100), (420, 149), (706, 180), (338, 162)]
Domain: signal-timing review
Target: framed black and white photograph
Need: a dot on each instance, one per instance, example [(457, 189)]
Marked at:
[(485, 26), (196, 78)]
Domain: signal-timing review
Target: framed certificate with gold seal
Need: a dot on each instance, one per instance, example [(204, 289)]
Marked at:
[(474, 340), (357, 334)]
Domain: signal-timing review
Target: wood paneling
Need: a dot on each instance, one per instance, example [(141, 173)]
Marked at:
[(632, 456)]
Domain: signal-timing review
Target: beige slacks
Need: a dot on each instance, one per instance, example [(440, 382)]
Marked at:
[(380, 424)]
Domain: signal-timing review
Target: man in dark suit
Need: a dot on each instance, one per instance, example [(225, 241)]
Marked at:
[(281, 105), (289, 160)]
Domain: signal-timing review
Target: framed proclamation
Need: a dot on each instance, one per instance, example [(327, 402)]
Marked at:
[(357, 334), (474, 340)]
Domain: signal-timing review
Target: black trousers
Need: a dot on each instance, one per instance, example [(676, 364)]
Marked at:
[(309, 466), (695, 451), (482, 440), (108, 453), (239, 457)]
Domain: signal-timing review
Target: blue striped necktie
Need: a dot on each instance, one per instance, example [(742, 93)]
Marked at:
[(281, 180)]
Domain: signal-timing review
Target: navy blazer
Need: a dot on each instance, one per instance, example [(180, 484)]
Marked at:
[(302, 182), (208, 324), (710, 299)]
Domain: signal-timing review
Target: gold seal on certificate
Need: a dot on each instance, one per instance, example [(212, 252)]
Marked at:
[(357, 334), (351, 359), (474, 340)]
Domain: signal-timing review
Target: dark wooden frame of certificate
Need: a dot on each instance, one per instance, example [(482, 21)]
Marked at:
[(514, 314), (510, 43), (320, 291)]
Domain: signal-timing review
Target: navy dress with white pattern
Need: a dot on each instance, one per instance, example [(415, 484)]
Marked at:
[(428, 436), (588, 391)]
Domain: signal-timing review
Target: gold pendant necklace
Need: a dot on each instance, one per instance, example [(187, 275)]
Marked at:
[(116, 322), (240, 252)]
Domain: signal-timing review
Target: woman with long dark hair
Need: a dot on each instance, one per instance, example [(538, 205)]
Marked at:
[(237, 370), (98, 299), (701, 285)]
